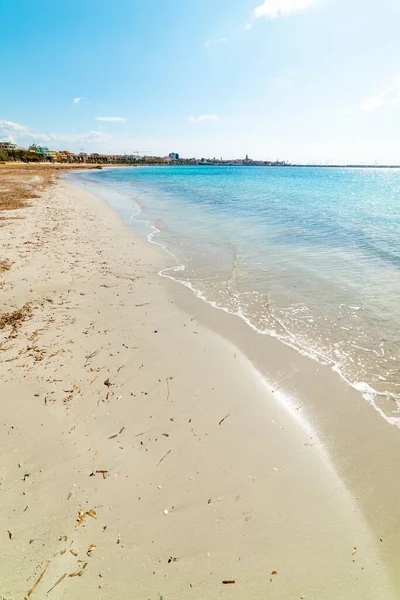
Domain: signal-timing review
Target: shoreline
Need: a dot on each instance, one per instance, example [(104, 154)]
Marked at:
[(385, 402), (245, 496)]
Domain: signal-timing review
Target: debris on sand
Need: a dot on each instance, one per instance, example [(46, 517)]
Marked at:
[(222, 420), (16, 318), (56, 583), (5, 265), (165, 456), (38, 580), (167, 379), (82, 516)]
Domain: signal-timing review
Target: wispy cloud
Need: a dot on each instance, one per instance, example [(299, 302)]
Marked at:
[(271, 9), (202, 118), (92, 141), (248, 26), (77, 100), (10, 126), (11, 131), (389, 97), (214, 42), (111, 119), (16, 131)]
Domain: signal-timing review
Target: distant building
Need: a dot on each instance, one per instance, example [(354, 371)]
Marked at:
[(8, 146), (174, 156), (40, 150), (66, 156)]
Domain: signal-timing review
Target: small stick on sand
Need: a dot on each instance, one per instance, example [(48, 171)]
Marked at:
[(166, 381), (39, 580), (222, 420), (165, 456), (57, 582)]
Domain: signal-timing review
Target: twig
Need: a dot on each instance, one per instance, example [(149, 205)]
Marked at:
[(166, 381), (39, 580), (57, 582), (165, 456), (222, 420), (90, 356)]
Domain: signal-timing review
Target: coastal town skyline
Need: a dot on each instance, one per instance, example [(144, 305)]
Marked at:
[(39, 153), (260, 77), (10, 151)]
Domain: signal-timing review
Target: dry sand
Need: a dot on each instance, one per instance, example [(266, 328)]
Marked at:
[(129, 425)]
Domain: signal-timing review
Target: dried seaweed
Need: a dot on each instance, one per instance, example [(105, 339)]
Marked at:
[(16, 318), (5, 265)]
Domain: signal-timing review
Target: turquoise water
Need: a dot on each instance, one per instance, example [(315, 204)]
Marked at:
[(308, 255)]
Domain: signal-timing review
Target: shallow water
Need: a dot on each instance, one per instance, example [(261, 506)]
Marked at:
[(308, 255)]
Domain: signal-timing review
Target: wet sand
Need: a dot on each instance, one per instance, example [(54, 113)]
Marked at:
[(136, 419)]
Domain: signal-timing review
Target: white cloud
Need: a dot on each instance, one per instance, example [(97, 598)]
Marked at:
[(271, 9), (11, 131), (389, 97), (77, 100), (202, 118), (14, 131), (10, 126), (248, 26), (92, 141), (111, 119), (214, 42)]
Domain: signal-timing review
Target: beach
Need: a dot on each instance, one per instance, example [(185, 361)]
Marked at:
[(155, 447)]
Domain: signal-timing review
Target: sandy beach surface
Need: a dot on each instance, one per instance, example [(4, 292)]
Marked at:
[(143, 453)]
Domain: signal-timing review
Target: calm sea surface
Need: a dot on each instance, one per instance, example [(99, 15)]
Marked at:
[(310, 256)]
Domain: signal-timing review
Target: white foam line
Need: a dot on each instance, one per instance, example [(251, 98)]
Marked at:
[(368, 393)]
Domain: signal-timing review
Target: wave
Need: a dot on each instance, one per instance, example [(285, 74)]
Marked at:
[(369, 393)]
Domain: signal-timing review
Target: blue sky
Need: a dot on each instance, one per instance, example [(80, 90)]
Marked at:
[(302, 80)]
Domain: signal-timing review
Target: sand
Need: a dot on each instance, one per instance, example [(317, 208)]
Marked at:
[(130, 424)]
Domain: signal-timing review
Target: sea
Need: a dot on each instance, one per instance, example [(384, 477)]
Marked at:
[(307, 255)]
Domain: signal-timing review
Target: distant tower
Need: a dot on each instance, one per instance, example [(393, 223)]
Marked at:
[(247, 157)]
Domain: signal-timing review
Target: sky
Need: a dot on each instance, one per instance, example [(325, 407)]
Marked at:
[(308, 81)]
